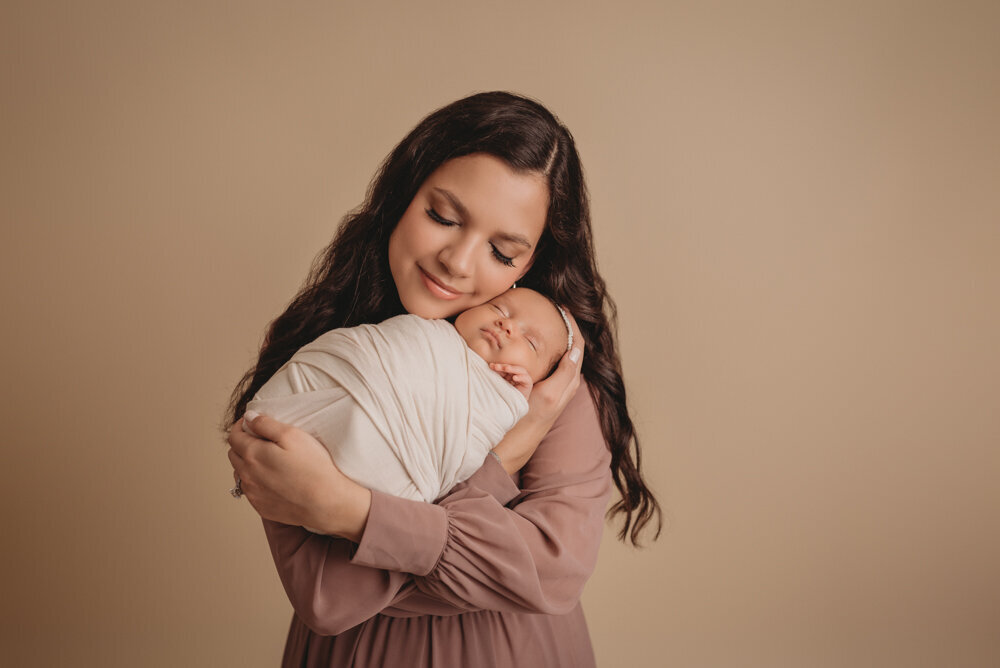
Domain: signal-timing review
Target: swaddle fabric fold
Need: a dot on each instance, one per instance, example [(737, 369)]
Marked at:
[(405, 406)]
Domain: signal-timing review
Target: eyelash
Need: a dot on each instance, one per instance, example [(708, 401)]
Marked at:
[(497, 255)]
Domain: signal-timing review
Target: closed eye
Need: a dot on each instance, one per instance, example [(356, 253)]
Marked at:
[(505, 260), (438, 218), (501, 258)]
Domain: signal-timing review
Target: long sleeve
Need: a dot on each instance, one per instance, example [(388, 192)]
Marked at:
[(533, 556), (486, 545), (328, 593)]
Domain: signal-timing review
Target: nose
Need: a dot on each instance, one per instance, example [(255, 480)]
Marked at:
[(458, 257), (507, 326)]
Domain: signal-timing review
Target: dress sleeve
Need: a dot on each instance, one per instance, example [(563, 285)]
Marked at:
[(328, 593), (493, 547), (487, 544)]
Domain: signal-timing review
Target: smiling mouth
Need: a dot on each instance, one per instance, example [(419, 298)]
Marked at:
[(436, 287)]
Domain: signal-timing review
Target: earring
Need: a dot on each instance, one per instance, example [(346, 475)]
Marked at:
[(514, 285)]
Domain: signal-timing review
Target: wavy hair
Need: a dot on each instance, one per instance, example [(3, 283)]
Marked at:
[(349, 283)]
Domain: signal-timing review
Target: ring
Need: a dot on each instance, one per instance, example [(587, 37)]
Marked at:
[(237, 491)]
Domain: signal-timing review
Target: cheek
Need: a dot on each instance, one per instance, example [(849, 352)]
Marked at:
[(402, 236), (495, 279), (396, 256), (404, 244), (461, 324)]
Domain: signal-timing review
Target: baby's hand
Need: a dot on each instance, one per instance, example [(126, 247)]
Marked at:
[(516, 376)]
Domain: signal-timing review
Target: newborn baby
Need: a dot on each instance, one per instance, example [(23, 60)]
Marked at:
[(521, 334), (410, 406)]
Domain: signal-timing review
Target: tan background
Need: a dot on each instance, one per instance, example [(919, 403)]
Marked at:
[(796, 206)]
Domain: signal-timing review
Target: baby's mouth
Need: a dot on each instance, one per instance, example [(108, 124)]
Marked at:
[(492, 337)]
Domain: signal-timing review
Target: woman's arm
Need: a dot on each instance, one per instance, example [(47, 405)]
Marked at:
[(328, 592), (469, 551), (549, 539), (288, 477), (477, 553)]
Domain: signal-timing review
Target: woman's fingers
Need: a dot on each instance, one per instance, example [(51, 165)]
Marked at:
[(550, 397), (570, 364), (267, 428), (240, 441), (567, 374), (236, 460), (239, 470)]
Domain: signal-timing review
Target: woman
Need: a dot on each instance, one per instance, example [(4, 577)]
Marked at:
[(483, 193)]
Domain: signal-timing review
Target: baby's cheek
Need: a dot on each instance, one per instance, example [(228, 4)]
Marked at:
[(520, 359)]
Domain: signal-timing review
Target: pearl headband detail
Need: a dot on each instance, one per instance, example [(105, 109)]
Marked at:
[(569, 328)]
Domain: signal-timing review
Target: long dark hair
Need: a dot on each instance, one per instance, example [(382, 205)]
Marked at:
[(350, 284)]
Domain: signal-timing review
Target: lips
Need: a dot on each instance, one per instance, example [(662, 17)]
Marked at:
[(492, 337), (438, 288)]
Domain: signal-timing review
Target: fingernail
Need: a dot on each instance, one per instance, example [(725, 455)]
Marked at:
[(250, 416), (574, 355)]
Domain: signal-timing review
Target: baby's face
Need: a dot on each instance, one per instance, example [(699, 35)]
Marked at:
[(519, 327)]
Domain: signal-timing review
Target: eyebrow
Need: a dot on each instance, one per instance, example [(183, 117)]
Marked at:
[(519, 239)]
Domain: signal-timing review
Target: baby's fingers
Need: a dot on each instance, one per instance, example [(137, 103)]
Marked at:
[(507, 368)]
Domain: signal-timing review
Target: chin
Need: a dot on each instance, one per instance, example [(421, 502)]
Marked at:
[(429, 308)]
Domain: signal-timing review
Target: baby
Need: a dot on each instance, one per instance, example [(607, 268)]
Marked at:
[(521, 334), (412, 407)]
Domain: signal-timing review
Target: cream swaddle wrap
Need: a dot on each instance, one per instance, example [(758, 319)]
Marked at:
[(405, 406)]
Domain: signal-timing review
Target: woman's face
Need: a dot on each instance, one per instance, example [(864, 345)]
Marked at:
[(469, 233)]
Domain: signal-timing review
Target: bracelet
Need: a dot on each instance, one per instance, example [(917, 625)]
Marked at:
[(496, 457)]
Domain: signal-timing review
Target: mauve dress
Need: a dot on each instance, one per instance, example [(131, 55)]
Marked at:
[(489, 575)]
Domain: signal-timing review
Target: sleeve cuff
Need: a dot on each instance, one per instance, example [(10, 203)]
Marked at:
[(494, 480), (402, 535)]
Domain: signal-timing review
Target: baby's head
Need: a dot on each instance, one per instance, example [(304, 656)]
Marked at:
[(520, 327)]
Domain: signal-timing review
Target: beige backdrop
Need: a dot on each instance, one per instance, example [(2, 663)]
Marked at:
[(796, 206)]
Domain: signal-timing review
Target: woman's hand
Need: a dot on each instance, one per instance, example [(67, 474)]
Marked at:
[(545, 403), (288, 476)]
